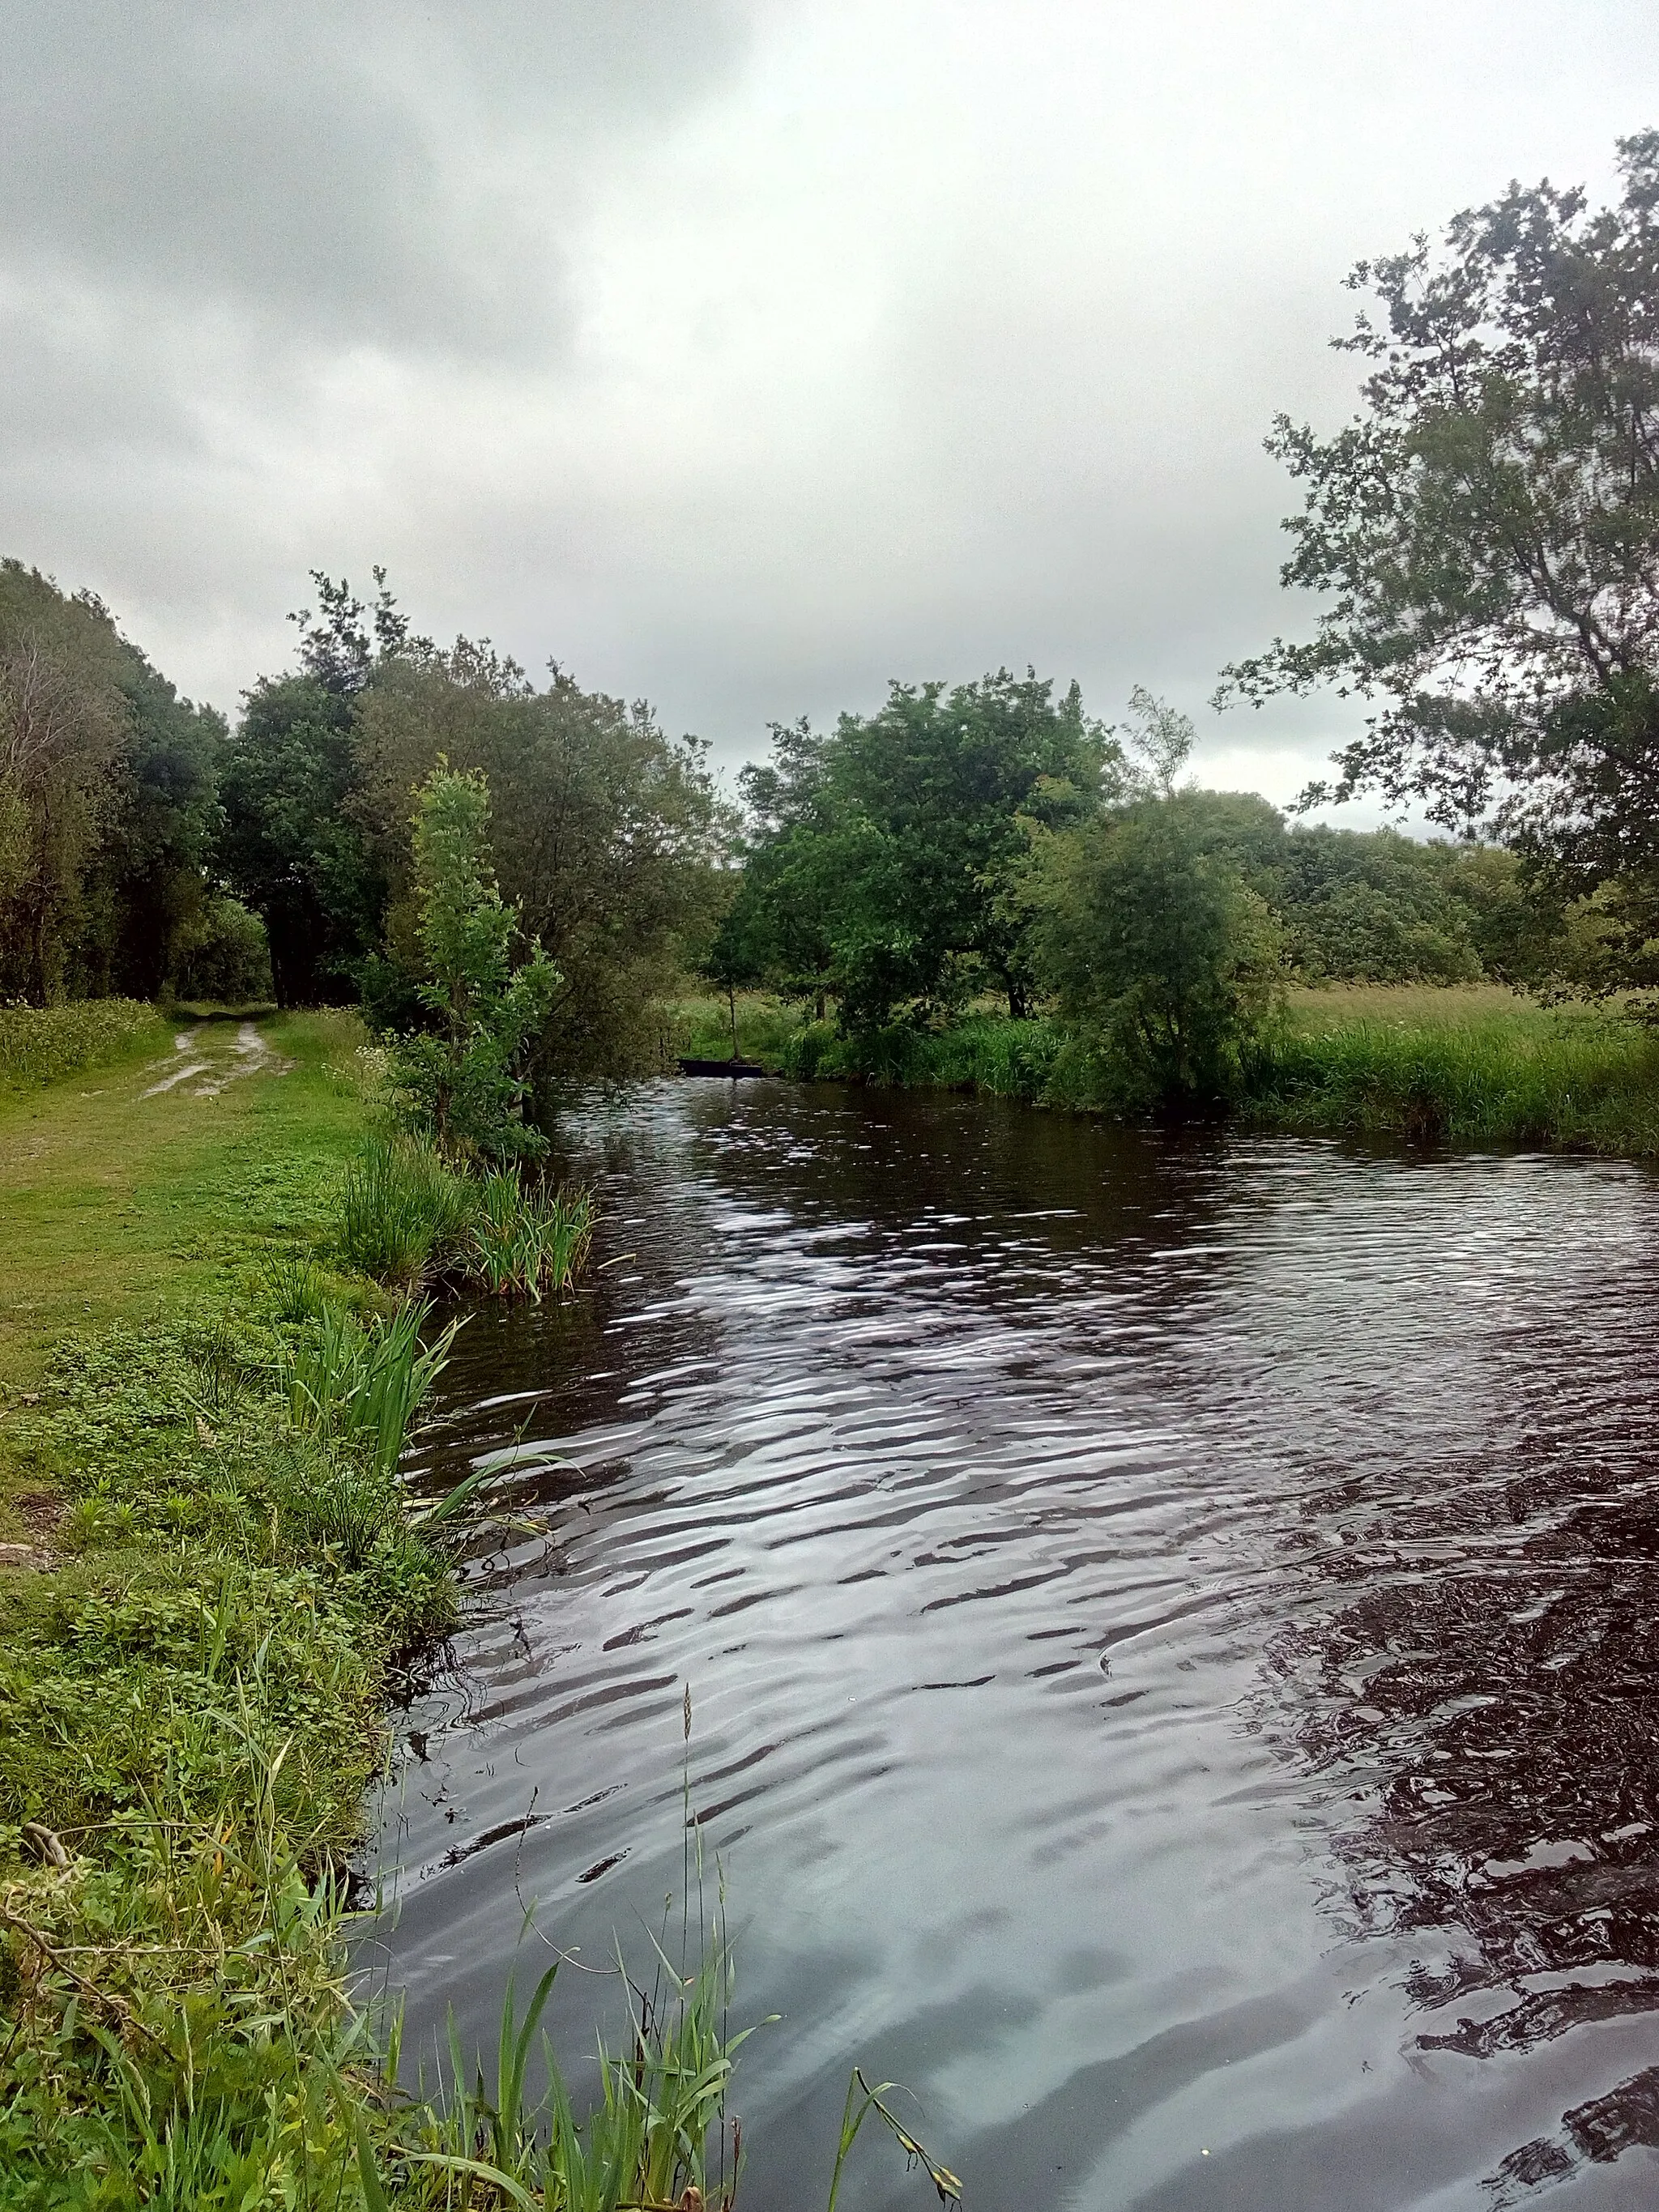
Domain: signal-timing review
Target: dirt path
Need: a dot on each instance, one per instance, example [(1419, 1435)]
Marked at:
[(207, 1058)]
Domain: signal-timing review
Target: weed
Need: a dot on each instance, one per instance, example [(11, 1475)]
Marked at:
[(39, 1043), (293, 1285), (403, 1212), (526, 1239)]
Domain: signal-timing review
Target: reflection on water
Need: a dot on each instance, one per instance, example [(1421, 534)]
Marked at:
[(1171, 1626)]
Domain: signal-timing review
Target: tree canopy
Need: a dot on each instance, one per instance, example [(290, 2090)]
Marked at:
[(1486, 532)]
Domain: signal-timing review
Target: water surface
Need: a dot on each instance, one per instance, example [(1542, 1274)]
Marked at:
[(1171, 1628)]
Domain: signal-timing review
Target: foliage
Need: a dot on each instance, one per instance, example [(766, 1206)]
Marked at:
[(221, 955), (882, 859), (1487, 533), (39, 1042), (360, 1385), (289, 848), (1154, 948), (604, 835), (464, 1078), (403, 1211), (524, 1239), (106, 800), (1490, 1078)]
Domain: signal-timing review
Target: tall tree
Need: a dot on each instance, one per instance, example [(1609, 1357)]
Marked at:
[(1486, 530), (885, 856), (293, 846), (605, 829)]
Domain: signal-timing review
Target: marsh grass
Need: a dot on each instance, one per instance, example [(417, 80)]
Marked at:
[(403, 1212), (1499, 1076), (1470, 1064), (360, 1385), (38, 1043), (524, 1240)]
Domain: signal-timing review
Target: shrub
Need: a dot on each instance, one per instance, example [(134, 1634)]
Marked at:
[(462, 1078), (38, 1042), (1156, 951), (403, 1211)]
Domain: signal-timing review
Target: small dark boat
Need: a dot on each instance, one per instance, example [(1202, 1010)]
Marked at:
[(721, 1067)]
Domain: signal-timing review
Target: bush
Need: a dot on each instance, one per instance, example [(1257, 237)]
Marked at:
[(38, 1042), (462, 1078), (1157, 953), (223, 955)]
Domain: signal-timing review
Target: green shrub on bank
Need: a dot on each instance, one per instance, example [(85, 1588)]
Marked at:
[(39, 1042), (403, 1211)]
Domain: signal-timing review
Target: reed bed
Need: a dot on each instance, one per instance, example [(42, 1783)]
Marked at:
[(524, 1240), (39, 1043), (1523, 1078)]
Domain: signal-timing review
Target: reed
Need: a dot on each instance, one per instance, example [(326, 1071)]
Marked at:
[(526, 1240), (403, 1212), (1571, 1081), (359, 1385)]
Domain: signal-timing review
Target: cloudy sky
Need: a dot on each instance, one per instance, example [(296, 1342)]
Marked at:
[(742, 354)]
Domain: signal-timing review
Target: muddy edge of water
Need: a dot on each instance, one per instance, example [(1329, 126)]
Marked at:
[(1169, 1622)]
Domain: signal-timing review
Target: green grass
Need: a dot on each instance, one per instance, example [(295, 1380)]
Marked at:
[(1474, 1067), (201, 1418), (1467, 1064), (524, 1239), (404, 1213)]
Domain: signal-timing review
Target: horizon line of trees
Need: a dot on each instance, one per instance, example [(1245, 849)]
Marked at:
[(1485, 535)]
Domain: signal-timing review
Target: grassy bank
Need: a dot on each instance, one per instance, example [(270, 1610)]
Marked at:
[(1471, 1065), (209, 1578)]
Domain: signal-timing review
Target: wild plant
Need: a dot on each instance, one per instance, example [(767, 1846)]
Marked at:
[(293, 1286), (359, 1385), (403, 1211), (524, 1239)]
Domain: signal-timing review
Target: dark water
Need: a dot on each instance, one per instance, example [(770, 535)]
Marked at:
[(1171, 1626)]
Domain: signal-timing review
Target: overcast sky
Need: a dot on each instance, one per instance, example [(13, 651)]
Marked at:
[(741, 354)]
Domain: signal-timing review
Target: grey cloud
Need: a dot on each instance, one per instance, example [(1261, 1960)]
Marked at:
[(390, 175)]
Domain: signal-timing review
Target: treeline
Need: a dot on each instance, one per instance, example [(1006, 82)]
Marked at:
[(992, 840), (989, 839), (147, 847)]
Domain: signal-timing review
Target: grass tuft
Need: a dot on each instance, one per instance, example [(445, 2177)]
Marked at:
[(403, 1212)]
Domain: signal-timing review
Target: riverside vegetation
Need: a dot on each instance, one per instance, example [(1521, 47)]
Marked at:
[(217, 1575)]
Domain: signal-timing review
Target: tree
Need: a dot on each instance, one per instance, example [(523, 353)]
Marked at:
[(1154, 948), (1487, 531), (606, 835), (294, 846), (465, 1074), (882, 859), (291, 848), (63, 729)]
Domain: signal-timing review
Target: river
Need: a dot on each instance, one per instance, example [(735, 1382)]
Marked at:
[(1170, 1621)]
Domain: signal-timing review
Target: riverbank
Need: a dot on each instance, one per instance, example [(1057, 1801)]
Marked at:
[(211, 1580), (1464, 1065), (192, 1674)]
